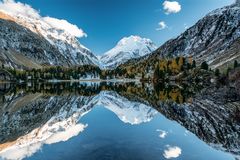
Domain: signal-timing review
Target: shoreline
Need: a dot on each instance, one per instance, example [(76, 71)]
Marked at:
[(75, 80)]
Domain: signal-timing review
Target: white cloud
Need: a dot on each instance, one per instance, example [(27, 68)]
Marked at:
[(172, 152), (162, 133), (65, 25), (17, 8), (161, 25), (171, 7)]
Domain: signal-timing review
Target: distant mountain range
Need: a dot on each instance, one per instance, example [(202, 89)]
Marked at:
[(27, 42)]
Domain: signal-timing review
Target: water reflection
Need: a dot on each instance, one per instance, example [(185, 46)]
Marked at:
[(36, 115)]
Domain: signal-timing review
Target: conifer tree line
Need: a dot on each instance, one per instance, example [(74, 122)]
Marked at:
[(162, 69), (59, 73)]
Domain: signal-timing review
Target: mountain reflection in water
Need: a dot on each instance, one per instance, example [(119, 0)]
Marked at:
[(34, 116)]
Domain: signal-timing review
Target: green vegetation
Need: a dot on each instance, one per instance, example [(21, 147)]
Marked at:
[(174, 69), (59, 73)]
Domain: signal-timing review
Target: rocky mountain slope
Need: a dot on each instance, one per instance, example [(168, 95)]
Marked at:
[(31, 42), (67, 44), (21, 48), (126, 49), (215, 39)]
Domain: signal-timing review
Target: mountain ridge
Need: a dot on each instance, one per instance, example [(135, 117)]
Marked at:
[(211, 39), (69, 48), (67, 45)]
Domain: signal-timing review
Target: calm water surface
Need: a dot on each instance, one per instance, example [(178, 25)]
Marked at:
[(108, 122)]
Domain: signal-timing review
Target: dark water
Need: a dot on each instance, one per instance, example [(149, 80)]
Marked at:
[(111, 121)]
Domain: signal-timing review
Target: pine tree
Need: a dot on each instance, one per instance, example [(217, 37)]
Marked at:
[(194, 64), (204, 65), (189, 66), (235, 64), (156, 74), (143, 75), (217, 72)]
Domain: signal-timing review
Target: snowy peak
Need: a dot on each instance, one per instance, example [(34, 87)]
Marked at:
[(126, 49), (133, 40), (66, 42), (58, 32)]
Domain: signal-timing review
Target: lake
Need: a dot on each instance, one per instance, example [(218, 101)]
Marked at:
[(116, 121)]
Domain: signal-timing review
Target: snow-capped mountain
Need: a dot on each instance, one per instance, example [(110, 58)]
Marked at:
[(63, 47), (66, 43), (47, 44), (54, 41), (126, 49), (215, 39)]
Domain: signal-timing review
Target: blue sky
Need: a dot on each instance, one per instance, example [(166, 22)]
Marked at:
[(107, 21)]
